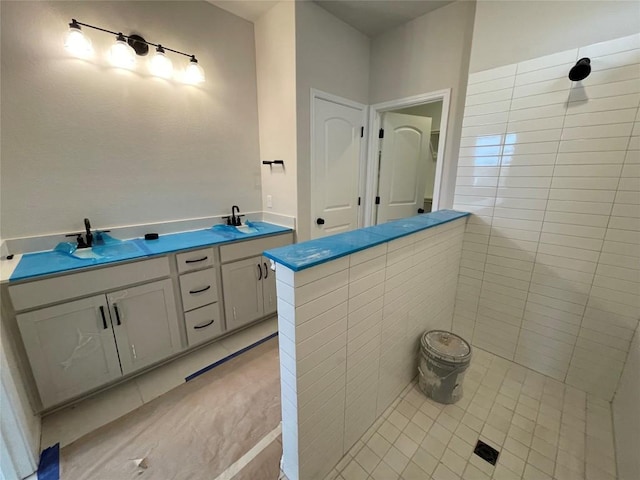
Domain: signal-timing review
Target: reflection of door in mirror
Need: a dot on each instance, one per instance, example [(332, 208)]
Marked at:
[(407, 161)]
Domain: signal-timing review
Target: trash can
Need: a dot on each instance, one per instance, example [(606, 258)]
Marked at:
[(444, 358)]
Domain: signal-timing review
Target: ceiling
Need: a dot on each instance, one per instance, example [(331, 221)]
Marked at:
[(371, 17)]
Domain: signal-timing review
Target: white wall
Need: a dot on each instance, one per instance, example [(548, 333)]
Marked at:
[(551, 169), (332, 57), (513, 31), (626, 415), (276, 72), (80, 139)]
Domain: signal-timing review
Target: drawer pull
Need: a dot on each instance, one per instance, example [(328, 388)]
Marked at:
[(197, 260), (266, 270), (104, 320), (193, 292), (115, 308), (197, 327), (259, 273)]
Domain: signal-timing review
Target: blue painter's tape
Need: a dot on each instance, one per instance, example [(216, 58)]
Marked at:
[(230, 357), (49, 466)]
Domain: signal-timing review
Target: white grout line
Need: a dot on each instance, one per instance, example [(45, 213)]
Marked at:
[(243, 461)]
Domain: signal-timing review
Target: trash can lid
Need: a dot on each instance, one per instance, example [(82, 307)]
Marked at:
[(447, 346)]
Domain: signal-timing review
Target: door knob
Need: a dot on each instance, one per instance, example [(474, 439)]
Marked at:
[(421, 210), (320, 221)]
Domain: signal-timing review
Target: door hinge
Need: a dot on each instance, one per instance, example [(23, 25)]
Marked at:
[(381, 133), (377, 200), (358, 200), (361, 132)]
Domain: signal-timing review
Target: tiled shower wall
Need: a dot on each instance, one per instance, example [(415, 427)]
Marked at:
[(550, 272)]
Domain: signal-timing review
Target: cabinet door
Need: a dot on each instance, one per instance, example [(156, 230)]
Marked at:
[(145, 324), (70, 348), (242, 285), (269, 287)]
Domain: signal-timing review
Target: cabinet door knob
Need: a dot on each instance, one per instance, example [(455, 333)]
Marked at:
[(320, 221), (421, 210)]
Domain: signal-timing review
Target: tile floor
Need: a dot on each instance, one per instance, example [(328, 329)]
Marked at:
[(543, 429)]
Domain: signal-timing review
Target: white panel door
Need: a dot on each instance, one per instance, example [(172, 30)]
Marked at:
[(336, 148), (403, 165), (145, 323), (70, 348)]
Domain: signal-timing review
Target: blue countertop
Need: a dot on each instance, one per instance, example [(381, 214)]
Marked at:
[(59, 261), (315, 252)]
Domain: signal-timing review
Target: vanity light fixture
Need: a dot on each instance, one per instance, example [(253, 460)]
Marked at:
[(123, 53)]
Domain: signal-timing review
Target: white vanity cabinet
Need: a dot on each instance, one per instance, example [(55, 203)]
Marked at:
[(243, 297), (145, 324), (249, 284), (101, 331), (70, 347), (199, 272)]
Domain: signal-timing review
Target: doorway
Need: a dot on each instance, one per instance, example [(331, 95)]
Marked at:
[(406, 156)]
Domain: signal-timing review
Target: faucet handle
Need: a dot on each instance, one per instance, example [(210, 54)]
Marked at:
[(238, 221)]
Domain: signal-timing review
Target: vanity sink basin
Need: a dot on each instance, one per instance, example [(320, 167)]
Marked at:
[(232, 231), (99, 252), (246, 229)]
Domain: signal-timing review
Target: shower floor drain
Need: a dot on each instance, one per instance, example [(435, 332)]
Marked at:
[(486, 452)]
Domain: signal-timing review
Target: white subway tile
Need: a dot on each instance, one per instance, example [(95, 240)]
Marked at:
[(611, 46), (615, 68), (600, 118), (488, 75), (625, 87), (486, 108), (597, 131), (533, 137), (517, 192), (560, 58), (535, 113), (529, 148), (490, 85), (586, 158), (618, 102), (533, 101), (606, 196), (490, 97), (558, 84), (588, 183), (593, 145), (542, 74), (572, 229), (488, 120)]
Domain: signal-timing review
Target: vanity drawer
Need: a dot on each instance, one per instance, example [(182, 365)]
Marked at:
[(251, 248), (198, 288), (195, 259), (203, 323)]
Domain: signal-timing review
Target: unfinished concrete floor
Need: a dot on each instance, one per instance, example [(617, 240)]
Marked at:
[(202, 429)]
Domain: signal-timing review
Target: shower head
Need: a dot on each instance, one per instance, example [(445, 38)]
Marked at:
[(580, 70)]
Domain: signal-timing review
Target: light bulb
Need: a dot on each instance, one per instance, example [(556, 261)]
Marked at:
[(193, 74), (76, 43), (121, 54), (160, 65)]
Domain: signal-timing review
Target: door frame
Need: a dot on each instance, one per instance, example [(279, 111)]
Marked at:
[(374, 123), (362, 167)]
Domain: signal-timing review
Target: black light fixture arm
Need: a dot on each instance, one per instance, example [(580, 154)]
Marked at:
[(74, 24)]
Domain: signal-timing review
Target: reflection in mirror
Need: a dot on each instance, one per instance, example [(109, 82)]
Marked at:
[(407, 161)]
